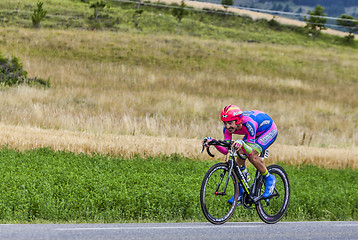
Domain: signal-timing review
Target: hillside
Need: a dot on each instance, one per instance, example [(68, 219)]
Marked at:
[(122, 90), (286, 20), (121, 16), (332, 7)]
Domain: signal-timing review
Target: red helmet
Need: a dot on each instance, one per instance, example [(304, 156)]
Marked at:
[(231, 113)]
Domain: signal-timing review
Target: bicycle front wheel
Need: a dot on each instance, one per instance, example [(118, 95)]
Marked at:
[(272, 211), (214, 197)]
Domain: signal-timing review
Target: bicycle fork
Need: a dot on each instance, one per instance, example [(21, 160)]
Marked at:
[(231, 164)]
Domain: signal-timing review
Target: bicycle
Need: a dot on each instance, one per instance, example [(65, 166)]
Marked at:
[(222, 180)]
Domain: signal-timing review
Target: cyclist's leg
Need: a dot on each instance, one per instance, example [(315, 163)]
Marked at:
[(241, 191), (265, 140), (254, 157), (240, 161)]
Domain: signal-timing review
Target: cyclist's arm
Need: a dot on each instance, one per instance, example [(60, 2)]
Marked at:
[(249, 139), (227, 136), (221, 149)]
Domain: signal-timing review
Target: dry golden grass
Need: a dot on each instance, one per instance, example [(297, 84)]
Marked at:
[(123, 93), (24, 138)]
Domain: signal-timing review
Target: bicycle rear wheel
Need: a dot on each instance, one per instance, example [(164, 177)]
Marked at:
[(273, 211), (213, 199)]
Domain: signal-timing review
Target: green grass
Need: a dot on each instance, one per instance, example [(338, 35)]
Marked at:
[(46, 186)]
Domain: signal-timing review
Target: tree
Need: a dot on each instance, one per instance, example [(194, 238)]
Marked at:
[(136, 17), (351, 24), (227, 3), (316, 22), (179, 13), (138, 4), (279, 7), (38, 15), (97, 6), (287, 9)]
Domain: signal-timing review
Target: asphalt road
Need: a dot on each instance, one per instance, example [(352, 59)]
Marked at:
[(176, 231)]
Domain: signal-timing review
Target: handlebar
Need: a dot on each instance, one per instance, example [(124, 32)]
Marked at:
[(226, 144)]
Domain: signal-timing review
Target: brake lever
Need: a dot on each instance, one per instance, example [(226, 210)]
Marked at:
[(202, 150), (210, 154), (207, 149)]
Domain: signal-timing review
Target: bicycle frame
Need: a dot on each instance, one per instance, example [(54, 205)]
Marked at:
[(249, 190)]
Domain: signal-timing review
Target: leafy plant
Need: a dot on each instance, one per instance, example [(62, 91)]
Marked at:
[(97, 7), (351, 24), (227, 3), (274, 24), (179, 13), (136, 17), (12, 73), (316, 23), (38, 15)]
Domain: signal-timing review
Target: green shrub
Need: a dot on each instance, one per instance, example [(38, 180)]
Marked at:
[(273, 24), (38, 82), (38, 15), (12, 73)]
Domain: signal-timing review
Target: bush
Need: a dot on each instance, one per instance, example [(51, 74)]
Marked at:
[(38, 15), (12, 73), (273, 24)]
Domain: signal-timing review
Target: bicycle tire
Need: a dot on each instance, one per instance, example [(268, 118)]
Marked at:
[(278, 204), (214, 206)]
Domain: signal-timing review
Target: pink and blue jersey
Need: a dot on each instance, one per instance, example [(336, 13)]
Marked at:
[(258, 129)]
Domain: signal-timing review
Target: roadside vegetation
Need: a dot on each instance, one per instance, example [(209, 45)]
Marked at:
[(44, 186)]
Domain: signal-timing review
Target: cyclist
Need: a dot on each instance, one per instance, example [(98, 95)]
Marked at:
[(259, 132)]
